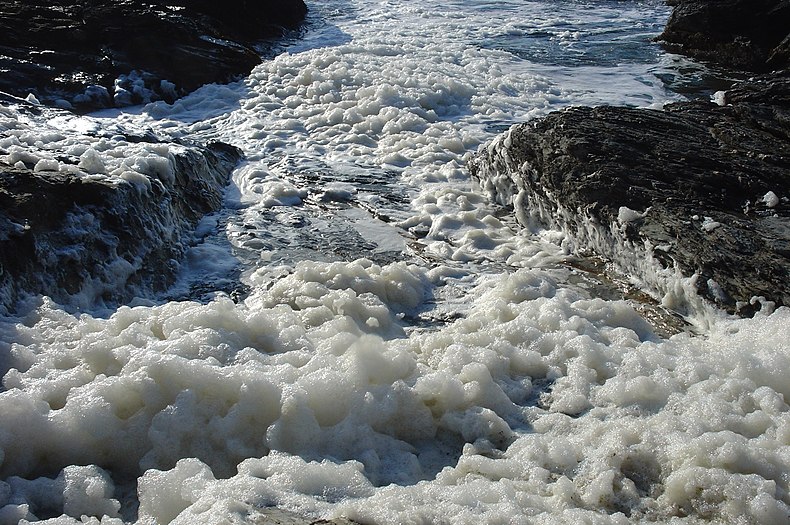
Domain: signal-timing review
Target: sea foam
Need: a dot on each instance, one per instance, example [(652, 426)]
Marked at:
[(469, 382)]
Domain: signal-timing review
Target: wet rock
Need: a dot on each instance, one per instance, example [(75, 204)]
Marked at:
[(752, 35), (102, 53), (697, 189), (88, 238)]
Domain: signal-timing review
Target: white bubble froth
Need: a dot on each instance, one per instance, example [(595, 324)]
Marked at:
[(318, 393)]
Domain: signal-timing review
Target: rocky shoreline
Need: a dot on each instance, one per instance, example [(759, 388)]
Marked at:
[(692, 200), (97, 217), (750, 35), (540, 403), (112, 53), (91, 216)]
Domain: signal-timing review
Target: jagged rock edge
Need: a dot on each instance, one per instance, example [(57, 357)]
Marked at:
[(152, 255), (498, 176)]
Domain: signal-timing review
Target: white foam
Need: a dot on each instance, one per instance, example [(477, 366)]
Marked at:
[(50, 144), (770, 199), (300, 370), (343, 388)]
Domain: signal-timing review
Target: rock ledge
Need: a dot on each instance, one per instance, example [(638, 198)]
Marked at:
[(98, 217), (698, 191), (103, 53)]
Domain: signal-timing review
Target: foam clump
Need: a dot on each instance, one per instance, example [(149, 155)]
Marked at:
[(163, 495), (356, 389), (77, 491), (625, 215), (770, 199), (538, 402), (260, 186)]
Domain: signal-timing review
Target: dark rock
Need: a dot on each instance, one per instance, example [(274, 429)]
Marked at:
[(100, 53), (751, 35), (89, 240), (577, 169)]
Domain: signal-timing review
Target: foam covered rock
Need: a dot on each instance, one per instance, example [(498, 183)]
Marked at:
[(92, 216), (696, 172)]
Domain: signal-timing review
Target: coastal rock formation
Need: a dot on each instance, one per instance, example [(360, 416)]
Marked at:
[(99, 216), (752, 35), (103, 53), (691, 201), (697, 189)]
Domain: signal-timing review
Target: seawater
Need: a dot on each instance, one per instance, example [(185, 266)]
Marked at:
[(362, 333)]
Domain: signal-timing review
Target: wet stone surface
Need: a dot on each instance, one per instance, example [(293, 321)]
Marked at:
[(99, 53), (705, 185)]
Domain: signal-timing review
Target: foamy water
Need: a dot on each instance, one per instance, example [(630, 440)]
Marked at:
[(362, 333)]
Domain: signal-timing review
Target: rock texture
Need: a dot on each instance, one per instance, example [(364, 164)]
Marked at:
[(102, 53), (695, 190), (740, 34), (87, 238), (692, 201)]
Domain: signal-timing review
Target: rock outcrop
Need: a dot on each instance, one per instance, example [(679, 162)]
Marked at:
[(691, 201), (103, 53), (697, 189), (96, 217), (751, 35)]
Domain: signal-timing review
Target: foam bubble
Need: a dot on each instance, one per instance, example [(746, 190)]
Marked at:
[(571, 399), (470, 383)]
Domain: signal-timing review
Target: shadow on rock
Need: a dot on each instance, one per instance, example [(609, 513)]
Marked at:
[(98, 54), (699, 188), (98, 217)]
